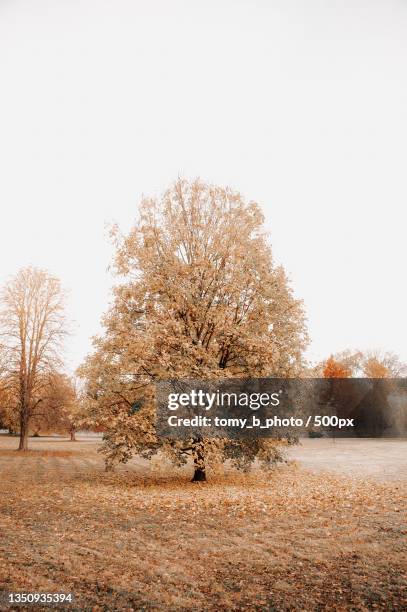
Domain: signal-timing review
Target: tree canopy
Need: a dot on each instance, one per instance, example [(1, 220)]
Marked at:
[(199, 296), (32, 328)]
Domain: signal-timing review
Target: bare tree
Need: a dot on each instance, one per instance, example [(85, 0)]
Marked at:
[(32, 328)]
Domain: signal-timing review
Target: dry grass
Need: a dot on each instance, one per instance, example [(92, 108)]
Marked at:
[(135, 540), (38, 452)]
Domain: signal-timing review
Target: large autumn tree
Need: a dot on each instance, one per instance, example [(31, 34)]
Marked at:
[(199, 297), (32, 327)]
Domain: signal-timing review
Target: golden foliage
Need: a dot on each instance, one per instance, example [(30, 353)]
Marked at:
[(335, 369), (200, 298), (32, 327)]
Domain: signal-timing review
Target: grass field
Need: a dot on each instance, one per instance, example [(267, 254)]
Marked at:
[(142, 539)]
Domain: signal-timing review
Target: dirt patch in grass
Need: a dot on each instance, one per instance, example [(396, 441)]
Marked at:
[(294, 540)]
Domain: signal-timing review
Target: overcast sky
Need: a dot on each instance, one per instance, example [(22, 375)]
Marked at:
[(299, 105)]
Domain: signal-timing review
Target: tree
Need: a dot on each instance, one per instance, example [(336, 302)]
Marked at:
[(369, 364), (32, 327), (378, 364), (200, 297), (60, 409), (335, 369), (345, 364), (8, 416)]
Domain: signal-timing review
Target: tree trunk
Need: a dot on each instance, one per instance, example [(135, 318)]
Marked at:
[(199, 475), (198, 454), (73, 435), (23, 445)]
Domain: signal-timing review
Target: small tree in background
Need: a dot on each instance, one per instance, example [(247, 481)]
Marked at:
[(369, 364), (8, 416), (32, 327), (61, 408), (378, 364), (200, 297), (339, 365), (335, 369)]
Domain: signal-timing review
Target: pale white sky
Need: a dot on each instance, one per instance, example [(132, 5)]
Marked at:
[(300, 105)]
